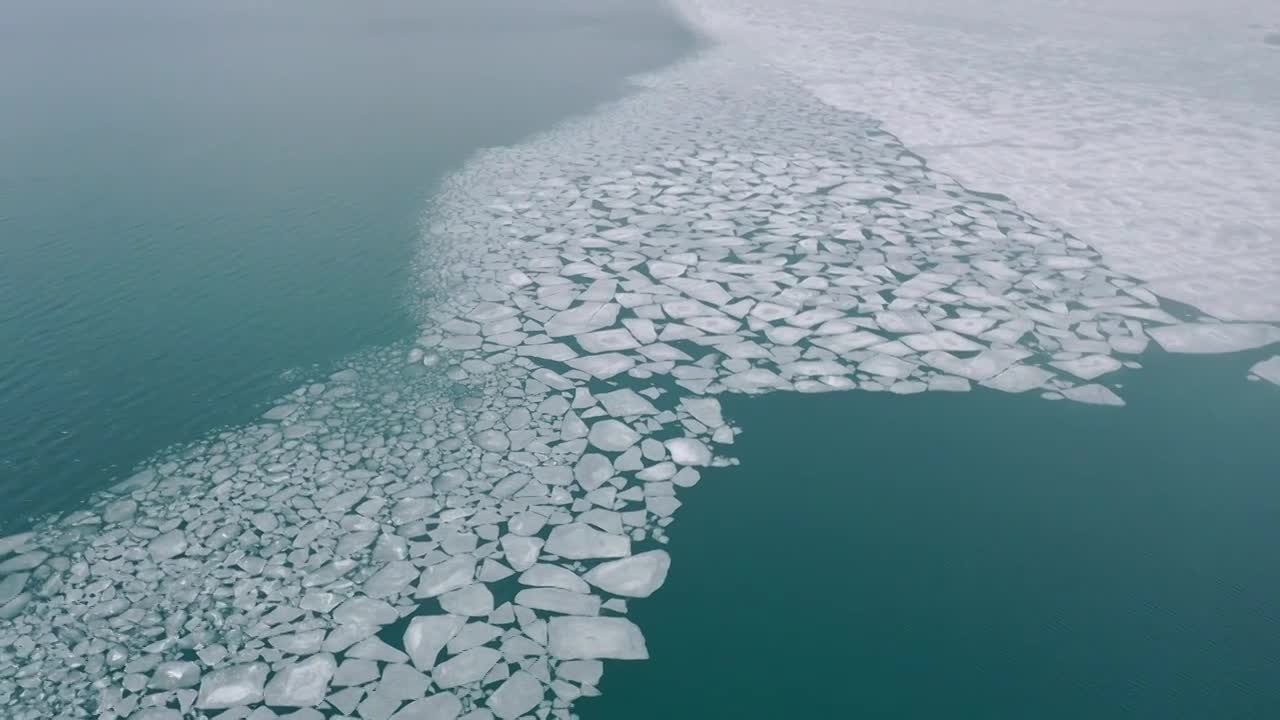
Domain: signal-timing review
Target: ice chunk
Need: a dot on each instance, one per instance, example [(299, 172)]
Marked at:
[(612, 436), (543, 575), (603, 341), (391, 579), (1268, 369), (592, 471), (603, 366), (848, 342), (445, 576), (174, 675), (636, 576), (688, 451), (626, 403), (466, 667), (232, 686), (578, 541), (1089, 366), (302, 684), (518, 695), (520, 552), (903, 322), (941, 340), (156, 713), (1092, 395), (704, 410), (365, 611), (441, 706), (1213, 337), (472, 600), (985, 364), (427, 635), (886, 366), (585, 318), (1019, 378), (595, 638), (167, 545)]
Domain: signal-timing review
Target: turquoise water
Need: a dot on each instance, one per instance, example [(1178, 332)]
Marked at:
[(202, 203), (977, 555)]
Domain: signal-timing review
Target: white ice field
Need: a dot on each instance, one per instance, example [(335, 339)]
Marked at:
[(458, 528), (1149, 128)]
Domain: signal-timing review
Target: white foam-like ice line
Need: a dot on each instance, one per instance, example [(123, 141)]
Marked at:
[(456, 528), (1148, 128)]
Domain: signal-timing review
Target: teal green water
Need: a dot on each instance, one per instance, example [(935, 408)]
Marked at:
[(200, 202), (977, 556)]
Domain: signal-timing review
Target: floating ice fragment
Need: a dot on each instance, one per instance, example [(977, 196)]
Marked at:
[(23, 562), (688, 451), (1268, 369), (302, 684), (544, 575), (11, 585), (592, 471), (612, 436), (557, 352), (441, 706), (604, 341), (585, 318), (1089, 366), (233, 686), (521, 552), (175, 675), (591, 638), (427, 635), (941, 340), (445, 576), (518, 695), (1093, 395), (1214, 338), (577, 541), (365, 611), (1019, 378), (156, 713), (626, 403), (637, 576), (886, 366), (167, 545), (985, 364), (280, 412), (603, 366), (391, 579), (848, 342), (472, 600), (464, 668)]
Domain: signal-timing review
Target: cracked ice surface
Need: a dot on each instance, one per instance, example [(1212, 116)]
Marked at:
[(456, 528), (1148, 128)]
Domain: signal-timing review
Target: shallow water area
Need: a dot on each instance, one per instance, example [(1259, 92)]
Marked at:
[(977, 555)]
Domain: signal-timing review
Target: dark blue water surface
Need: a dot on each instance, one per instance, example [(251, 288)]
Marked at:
[(978, 555)]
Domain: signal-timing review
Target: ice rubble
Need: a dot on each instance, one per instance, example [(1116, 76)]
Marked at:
[(1144, 127), (456, 529)]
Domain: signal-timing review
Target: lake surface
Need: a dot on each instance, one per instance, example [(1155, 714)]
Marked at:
[(206, 207), (202, 203), (977, 555)]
